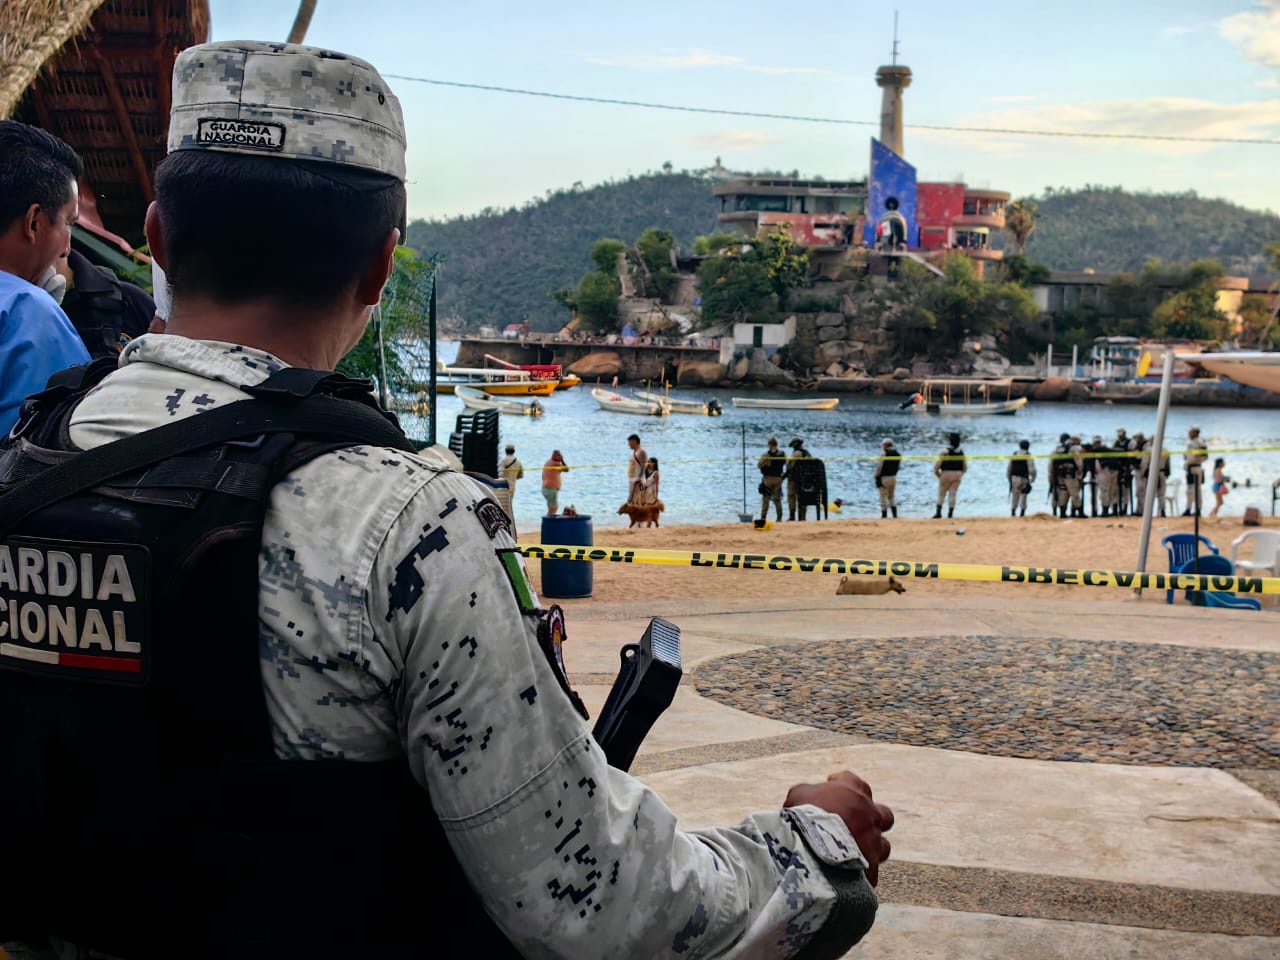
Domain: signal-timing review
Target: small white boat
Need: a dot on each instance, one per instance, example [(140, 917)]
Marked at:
[(476, 399), (798, 403), (617, 403), (675, 403), (964, 398)]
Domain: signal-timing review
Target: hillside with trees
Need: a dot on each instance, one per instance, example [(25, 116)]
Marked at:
[(503, 266), (1110, 230)]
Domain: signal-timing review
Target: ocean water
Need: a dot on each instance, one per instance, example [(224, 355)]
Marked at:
[(708, 464)]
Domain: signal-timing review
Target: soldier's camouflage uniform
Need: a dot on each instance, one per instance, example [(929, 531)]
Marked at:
[(390, 627)]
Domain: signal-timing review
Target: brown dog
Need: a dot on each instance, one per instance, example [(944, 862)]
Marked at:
[(869, 585), (646, 513)]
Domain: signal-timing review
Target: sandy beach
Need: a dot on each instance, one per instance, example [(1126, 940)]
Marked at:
[(1041, 540)]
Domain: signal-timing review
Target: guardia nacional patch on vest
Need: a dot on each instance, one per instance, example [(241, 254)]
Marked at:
[(75, 610), (513, 566)]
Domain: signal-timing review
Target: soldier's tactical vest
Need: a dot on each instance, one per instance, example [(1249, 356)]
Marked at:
[(953, 458), (1064, 465), (889, 466), (1018, 465), (145, 813)]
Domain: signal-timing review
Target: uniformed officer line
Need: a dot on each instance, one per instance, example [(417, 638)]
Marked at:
[(922, 570), (1134, 455)]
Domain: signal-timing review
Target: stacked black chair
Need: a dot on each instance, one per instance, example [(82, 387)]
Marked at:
[(475, 441)]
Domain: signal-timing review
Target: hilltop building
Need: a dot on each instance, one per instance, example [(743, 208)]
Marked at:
[(891, 212)]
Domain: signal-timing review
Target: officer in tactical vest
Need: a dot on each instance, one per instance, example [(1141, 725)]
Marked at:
[(1107, 470), (949, 469), (1195, 457), (284, 671), (886, 477), (1021, 474), (1066, 464)]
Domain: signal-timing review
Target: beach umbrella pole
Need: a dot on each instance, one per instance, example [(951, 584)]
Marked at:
[(744, 468)]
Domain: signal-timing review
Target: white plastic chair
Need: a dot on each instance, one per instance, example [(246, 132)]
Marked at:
[(1266, 552), (1172, 488)]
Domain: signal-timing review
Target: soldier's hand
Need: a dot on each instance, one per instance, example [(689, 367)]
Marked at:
[(849, 797)]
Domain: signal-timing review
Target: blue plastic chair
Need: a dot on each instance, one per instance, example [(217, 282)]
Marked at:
[(1181, 548), (1213, 565)]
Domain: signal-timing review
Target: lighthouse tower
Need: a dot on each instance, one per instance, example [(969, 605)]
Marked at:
[(893, 80)]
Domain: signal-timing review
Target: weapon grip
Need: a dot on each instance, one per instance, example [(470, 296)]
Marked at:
[(645, 686)]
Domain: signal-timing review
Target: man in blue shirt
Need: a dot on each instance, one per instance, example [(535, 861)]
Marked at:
[(39, 201)]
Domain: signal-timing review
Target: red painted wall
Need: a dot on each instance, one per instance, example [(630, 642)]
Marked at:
[(938, 205), (801, 227)]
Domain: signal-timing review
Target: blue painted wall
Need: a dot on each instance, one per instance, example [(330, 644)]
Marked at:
[(891, 176)]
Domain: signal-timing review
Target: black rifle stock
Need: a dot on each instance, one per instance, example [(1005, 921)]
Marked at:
[(645, 686)]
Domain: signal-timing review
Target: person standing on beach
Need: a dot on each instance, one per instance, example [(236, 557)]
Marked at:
[(1021, 473), (798, 452), (1107, 470), (635, 469), (887, 477), (949, 469), (1197, 454), (510, 469), (772, 464), (553, 472), (649, 482), (1139, 467), (1221, 486)]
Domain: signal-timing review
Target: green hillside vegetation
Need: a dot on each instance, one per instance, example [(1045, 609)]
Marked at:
[(503, 266), (500, 266), (1110, 230)]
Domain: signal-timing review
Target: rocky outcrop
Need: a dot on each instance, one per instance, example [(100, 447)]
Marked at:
[(699, 373), (598, 363)]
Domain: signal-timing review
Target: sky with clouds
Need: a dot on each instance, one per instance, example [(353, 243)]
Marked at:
[(1194, 68)]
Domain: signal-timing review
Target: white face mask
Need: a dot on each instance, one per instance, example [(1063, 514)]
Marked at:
[(54, 284), (161, 292)]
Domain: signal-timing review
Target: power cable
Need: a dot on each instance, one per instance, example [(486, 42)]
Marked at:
[(1009, 131)]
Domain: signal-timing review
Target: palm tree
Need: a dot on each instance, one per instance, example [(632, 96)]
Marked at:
[(303, 20), (1020, 222)]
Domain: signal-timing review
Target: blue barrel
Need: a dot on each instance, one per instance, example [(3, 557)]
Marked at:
[(566, 579)]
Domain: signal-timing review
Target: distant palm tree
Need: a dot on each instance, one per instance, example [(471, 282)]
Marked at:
[(1020, 222), (303, 20)]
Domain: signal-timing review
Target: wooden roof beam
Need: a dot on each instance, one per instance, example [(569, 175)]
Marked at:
[(164, 57), (126, 125)]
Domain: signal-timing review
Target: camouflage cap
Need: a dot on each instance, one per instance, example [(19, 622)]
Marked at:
[(286, 100)]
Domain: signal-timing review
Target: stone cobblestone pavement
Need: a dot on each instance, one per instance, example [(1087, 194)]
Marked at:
[(1071, 779)]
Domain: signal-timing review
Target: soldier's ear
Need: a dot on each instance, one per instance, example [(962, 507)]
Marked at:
[(378, 271)]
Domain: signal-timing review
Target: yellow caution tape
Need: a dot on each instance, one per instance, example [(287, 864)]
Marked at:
[(923, 570)]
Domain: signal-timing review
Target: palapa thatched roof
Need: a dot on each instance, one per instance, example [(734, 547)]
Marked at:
[(97, 73)]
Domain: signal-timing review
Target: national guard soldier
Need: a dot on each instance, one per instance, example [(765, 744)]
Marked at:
[(792, 475), (259, 653), (1021, 473), (1197, 453), (1066, 465), (772, 465), (1107, 470), (949, 469), (887, 477), (1138, 465)]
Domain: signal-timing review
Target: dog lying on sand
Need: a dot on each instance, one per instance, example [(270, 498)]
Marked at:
[(642, 513), (869, 585)]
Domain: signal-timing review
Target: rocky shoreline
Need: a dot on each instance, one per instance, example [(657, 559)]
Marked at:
[(696, 366)]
